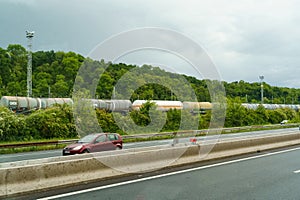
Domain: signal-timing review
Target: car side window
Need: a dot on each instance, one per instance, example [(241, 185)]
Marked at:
[(101, 138), (112, 137)]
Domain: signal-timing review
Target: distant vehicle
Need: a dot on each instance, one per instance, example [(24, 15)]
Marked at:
[(95, 143), (284, 122)]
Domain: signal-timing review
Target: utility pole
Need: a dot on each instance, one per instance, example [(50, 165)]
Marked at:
[(29, 36), (114, 93), (49, 91), (262, 88)]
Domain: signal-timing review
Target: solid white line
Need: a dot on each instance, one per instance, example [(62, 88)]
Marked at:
[(168, 174), (297, 171)]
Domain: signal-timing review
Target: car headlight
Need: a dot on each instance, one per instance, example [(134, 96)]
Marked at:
[(78, 147)]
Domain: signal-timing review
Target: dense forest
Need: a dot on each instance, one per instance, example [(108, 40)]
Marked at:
[(55, 73)]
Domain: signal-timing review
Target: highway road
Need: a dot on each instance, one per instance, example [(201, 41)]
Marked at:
[(54, 153), (268, 175)]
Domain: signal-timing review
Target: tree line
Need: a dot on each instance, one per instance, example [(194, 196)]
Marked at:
[(54, 74), (58, 121)]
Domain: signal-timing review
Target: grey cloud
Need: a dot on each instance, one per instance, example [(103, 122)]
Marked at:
[(244, 38)]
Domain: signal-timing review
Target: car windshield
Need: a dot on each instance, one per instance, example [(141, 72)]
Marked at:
[(87, 139)]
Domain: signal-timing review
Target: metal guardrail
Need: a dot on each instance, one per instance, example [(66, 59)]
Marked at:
[(151, 135), (206, 131), (29, 144)]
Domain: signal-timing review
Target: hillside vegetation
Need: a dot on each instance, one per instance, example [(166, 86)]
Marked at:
[(56, 72), (54, 75)]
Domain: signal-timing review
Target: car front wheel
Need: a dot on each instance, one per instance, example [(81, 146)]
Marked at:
[(118, 148), (86, 151)]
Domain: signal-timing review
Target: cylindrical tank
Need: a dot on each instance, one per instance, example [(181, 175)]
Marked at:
[(197, 106), (100, 104), (21, 104), (48, 102), (68, 101), (268, 106), (167, 105), (136, 105), (276, 106), (205, 105), (118, 105), (9, 102), (161, 105), (251, 106), (191, 106)]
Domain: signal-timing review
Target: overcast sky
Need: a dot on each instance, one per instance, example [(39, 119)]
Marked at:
[(244, 39)]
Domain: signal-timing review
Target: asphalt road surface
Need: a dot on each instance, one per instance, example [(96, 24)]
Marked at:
[(269, 175), (54, 153)]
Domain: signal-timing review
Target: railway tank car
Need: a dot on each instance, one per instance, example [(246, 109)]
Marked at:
[(27, 104), (114, 105), (193, 107), (254, 106), (161, 105), (98, 103), (48, 102), (118, 105), (197, 107)]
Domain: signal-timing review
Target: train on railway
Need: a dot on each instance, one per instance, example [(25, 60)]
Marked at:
[(254, 106), (28, 104)]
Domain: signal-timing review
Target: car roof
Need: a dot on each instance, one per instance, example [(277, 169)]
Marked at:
[(101, 133)]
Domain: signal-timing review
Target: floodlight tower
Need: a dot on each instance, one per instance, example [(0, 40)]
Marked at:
[(262, 88), (29, 36)]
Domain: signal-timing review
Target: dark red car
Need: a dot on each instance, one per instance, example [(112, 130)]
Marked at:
[(95, 143)]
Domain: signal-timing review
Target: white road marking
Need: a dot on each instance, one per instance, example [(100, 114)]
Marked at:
[(168, 174), (297, 171)]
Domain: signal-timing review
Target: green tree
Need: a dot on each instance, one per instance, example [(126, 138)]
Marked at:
[(60, 88), (235, 113)]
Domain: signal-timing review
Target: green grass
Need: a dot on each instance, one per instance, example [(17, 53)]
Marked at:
[(32, 141), (4, 150)]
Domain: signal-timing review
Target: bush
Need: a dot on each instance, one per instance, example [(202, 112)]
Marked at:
[(11, 126), (55, 122)]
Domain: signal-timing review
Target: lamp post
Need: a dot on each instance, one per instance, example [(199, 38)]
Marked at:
[(29, 36), (262, 88)]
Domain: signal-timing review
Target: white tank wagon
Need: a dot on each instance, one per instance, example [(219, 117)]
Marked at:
[(254, 106), (48, 102), (250, 106), (290, 106), (100, 104), (27, 104), (118, 105), (161, 105), (197, 107), (20, 104)]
